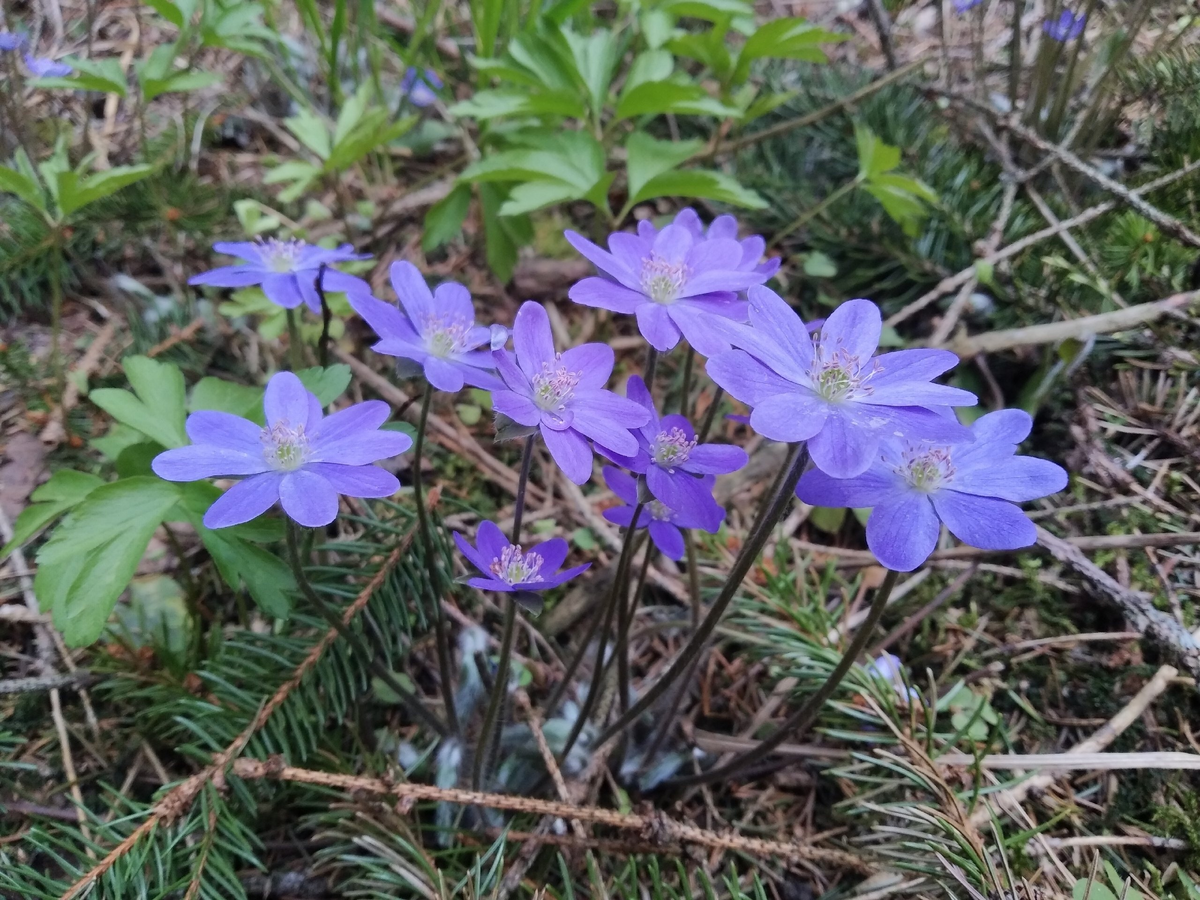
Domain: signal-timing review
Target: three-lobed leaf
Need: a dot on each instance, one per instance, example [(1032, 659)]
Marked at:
[(157, 405)]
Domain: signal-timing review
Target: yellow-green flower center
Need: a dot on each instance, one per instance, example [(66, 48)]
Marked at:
[(285, 448), (513, 567)]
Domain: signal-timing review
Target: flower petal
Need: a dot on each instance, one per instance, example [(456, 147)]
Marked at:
[(197, 461), (668, 539), (571, 452), (621, 483), (921, 393), (774, 320), (230, 277), (709, 335), (520, 409), (854, 327), (365, 416), (491, 542), (673, 243), (795, 416), (532, 338), (1008, 426), (307, 282), (1019, 479), (452, 299), (357, 481), (984, 522), (903, 531), (251, 251), (285, 400), (222, 429), (443, 375), (716, 459), (385, 318), (477, 559), (656, 326), (745, 378), (507, 367), (282, 289), (308, 498), (843, 447), (593, 362), (725, 226), (561, 578), (869, 489), (553, 553), (335, 282), (244, 501), (903, 366), (604, 294), (412, 291), (601, 259), (363, 448)]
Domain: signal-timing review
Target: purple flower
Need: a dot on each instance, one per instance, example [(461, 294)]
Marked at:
[(563, 395), (663, 521), (506, 567), (675, 466), (302, 459), (41, 67), (419, 87), (961, 6), (1066, 27), (831, 391), (972, 487), (10, 41), (722, 228), (287, 271), (435, 335), (674, 282)]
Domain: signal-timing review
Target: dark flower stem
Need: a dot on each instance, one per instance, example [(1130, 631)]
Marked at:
[(616, 595), (772, 508), (490, 735), (684, 393), (711, 415), (326, 318), (651, 368), (689, 541), (801, 720), (295, 347), (624, 622), (441, 634), (365, 653)]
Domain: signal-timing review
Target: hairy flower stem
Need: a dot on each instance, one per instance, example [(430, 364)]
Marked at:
[(800, 721), (295, 347), (411, 702), (441, 635), (624, 622), (769, 513), (684, 392), (326, 317), (489, 737), (616, 595), (711, 415)]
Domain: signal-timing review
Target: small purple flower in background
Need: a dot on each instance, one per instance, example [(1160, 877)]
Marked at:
[(41, 67), (1066, 27), (435, 335), (286, 270), (889, 668), (973, 488), (563, 395), (832, 391), (419, 87), (722, 228), (674, 464), (961, 6), (507, 567), (302, 459), (663, 522), (675, 283), (10, 41)]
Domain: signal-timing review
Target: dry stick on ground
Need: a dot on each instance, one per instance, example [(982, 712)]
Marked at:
[(953, 282), (180, 798), (55, 429), (1131, 712), (1137, 607), (666, 833)]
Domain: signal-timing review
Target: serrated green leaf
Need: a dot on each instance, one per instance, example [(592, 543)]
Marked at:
[(647, 158), (328, 384), (93, 554), (444, 220), (156, 407), (703, 184)]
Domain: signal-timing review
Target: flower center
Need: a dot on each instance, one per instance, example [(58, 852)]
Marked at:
[(663, 281), (928, 470), (281, 256), (659, 511), (554, 386), (512, 567), (284, 448), (839, 375), (445, 336), (672, 448)]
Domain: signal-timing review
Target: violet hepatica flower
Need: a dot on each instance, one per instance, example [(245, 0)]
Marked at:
[(961, 6), (10, 41), (563, 396), (507, 567), (419, 86), (673, 281), (1066, 27), (832, 391), (435, 334), (722, 228), (41, 67), (663, 522), (973, 488), (675, 464), (286, 270), (302, 459)]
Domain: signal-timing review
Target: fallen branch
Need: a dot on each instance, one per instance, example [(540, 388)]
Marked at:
[(1074, 761)]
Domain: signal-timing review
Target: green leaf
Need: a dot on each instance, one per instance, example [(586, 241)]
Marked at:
[(444, 220), (827, 519), (647, 158), (104, 75), (709, 10), (532, 195), (157, 615), (75, 192), (267, 578), (657, 97), (874, 156), (650, 65), (13, 182), (227, 396), (550, 63), (311, 130), (168, 11), (65, 489), (785, 38), (491, 104), (703, 184), (818, 265), (657, 27), (903, 199), (159, 408), (93, 554), (595, 58), (179, 83), (328, 384), (114, 441), (503, 235)]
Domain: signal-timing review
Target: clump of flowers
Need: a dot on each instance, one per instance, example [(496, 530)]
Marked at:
[(665, 525), (508, 568), (302, 459), (435, 335), (973, 488), (287, 271)]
